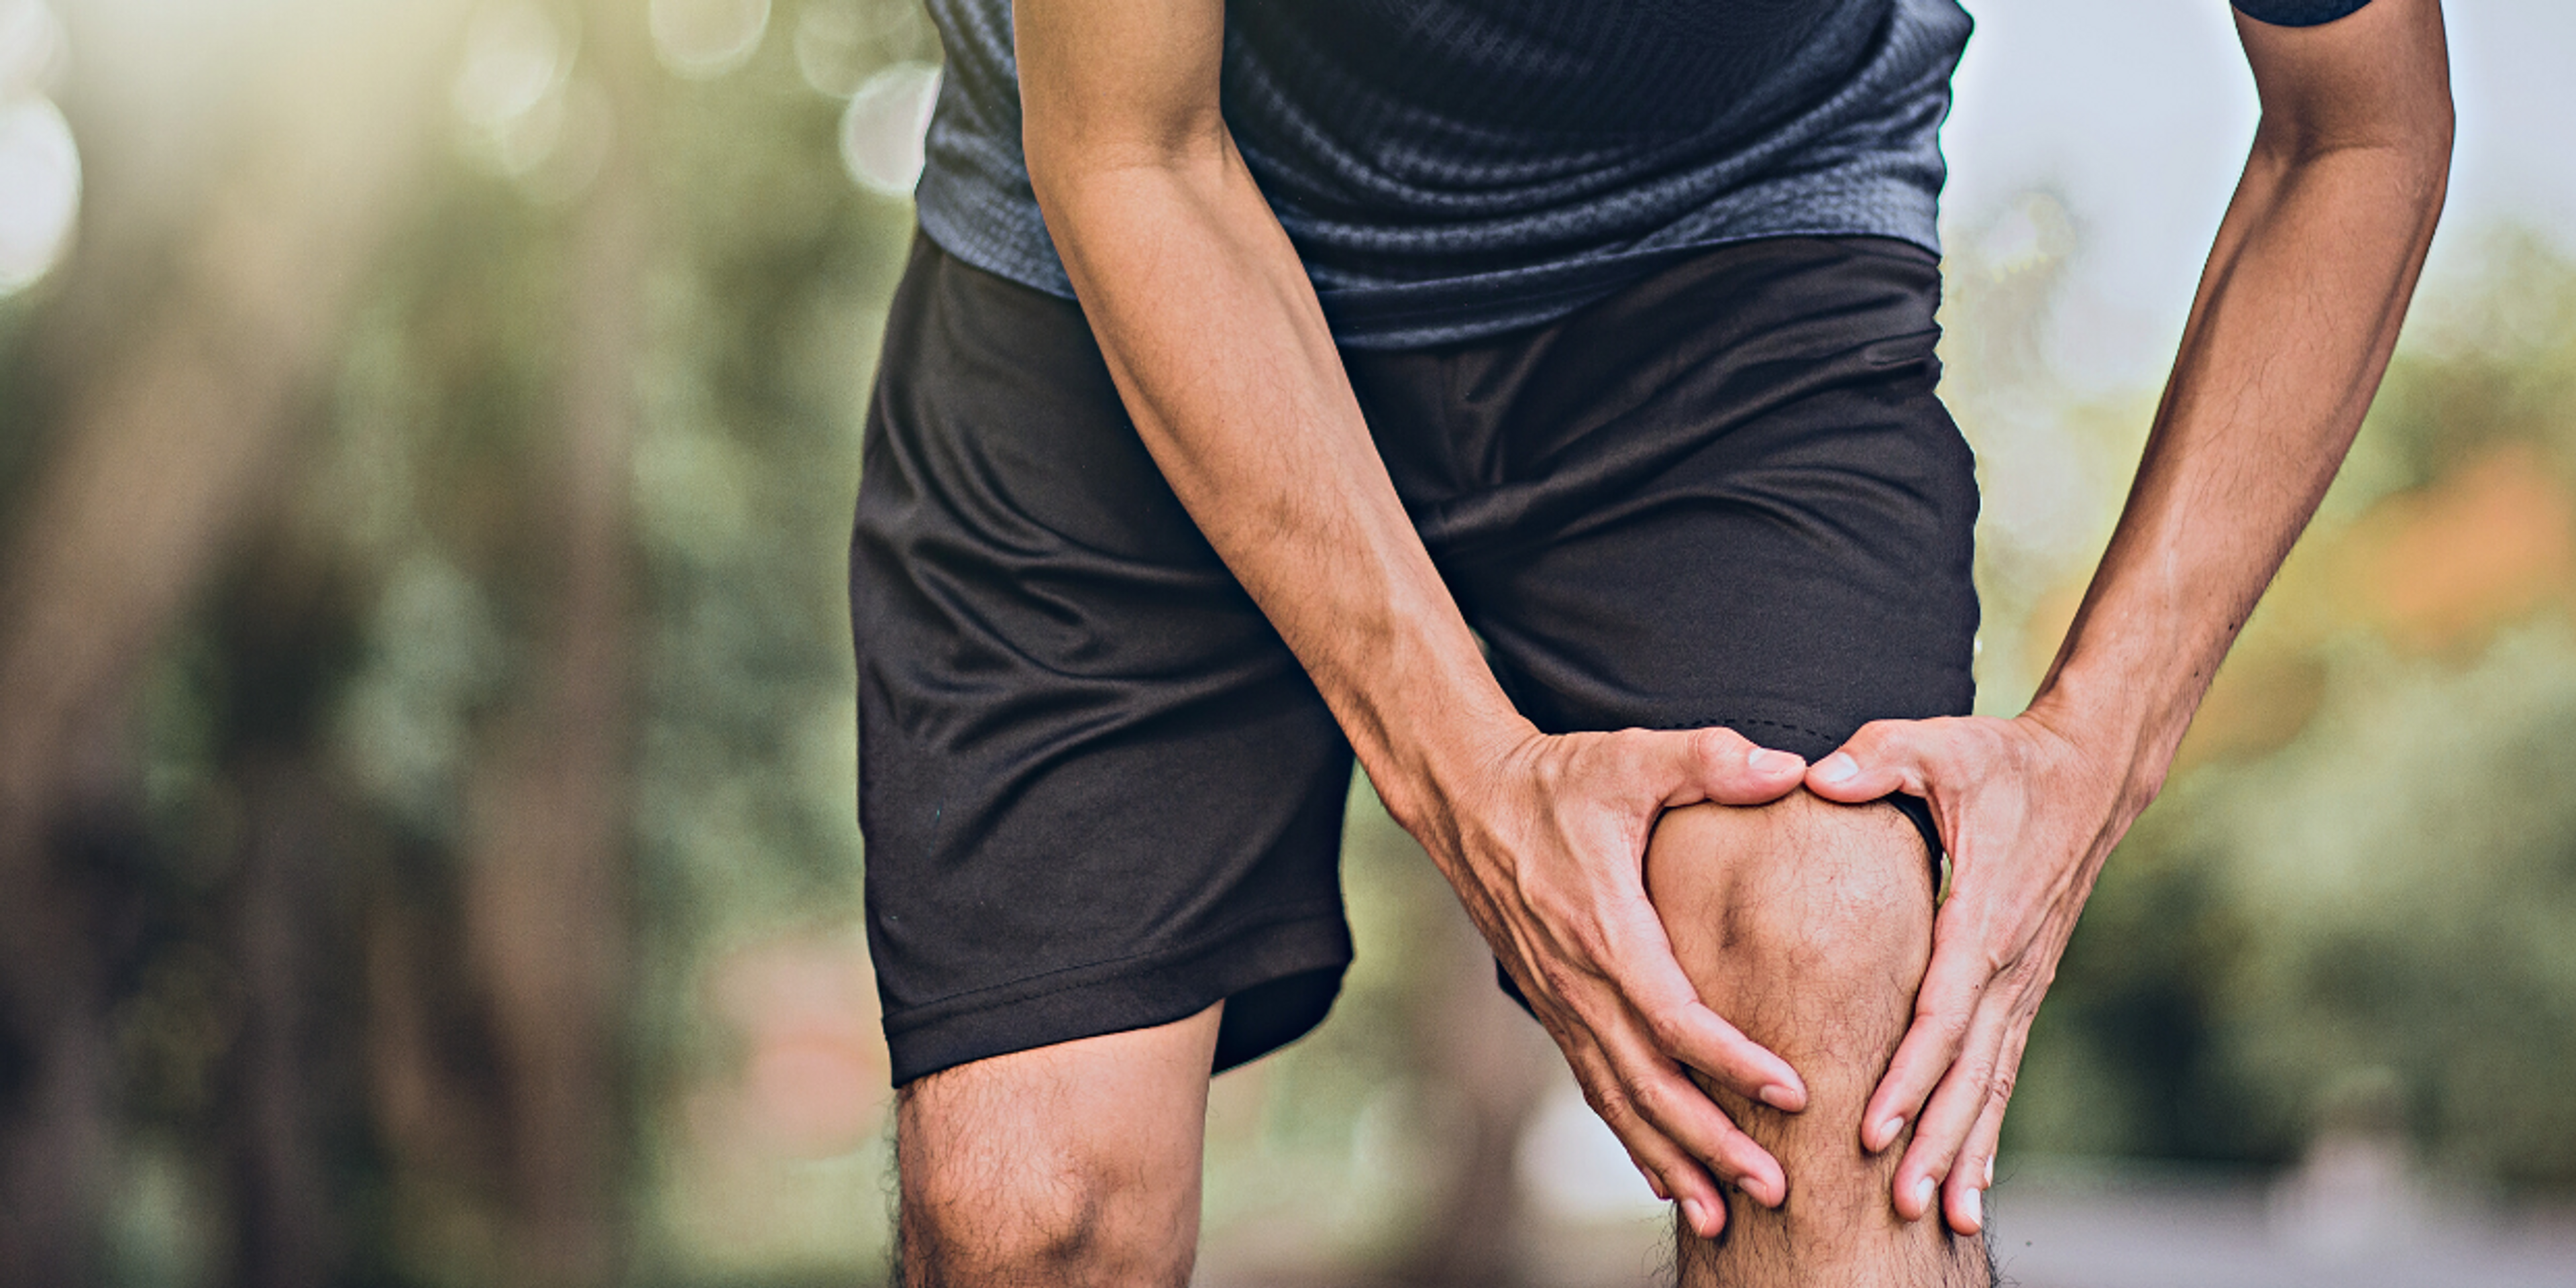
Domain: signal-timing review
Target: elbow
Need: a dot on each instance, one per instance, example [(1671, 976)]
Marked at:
[(2423, 156), (2426, 146), (1054, 165), (1063, 160), (2409, 149)]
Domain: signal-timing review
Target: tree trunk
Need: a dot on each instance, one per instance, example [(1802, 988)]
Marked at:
[(547, 904), (171, 439)]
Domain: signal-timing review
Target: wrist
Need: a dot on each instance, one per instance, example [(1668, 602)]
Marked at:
[(1434, 756), (2125, 729)]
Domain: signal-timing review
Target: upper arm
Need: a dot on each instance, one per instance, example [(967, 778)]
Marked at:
[(2376, 78), (1118, 82)]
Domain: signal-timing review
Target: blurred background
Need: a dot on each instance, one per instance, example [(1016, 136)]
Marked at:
[(427, 857)]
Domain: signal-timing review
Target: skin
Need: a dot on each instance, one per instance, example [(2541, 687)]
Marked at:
[(1213, 334), (1811, 927), (1069, 1166)]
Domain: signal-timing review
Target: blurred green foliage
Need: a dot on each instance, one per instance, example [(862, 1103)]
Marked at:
[(2364, 869)]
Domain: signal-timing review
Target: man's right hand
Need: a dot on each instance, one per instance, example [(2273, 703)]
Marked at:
[(1546, 848)]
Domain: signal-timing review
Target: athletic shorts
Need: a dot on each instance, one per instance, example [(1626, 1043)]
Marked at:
[(1097, 791)]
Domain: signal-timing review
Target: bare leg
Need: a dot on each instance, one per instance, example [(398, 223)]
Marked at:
[(1075, 1164), (1808, 924)]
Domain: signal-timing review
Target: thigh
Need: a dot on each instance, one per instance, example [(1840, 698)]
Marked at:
[(1097, 791), (1732, 497)]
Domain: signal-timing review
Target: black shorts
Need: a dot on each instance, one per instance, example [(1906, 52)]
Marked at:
[(1098, 792)]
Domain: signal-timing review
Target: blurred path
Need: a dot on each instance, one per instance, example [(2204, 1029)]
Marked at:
[(2153, 1230), (2062, 1226)]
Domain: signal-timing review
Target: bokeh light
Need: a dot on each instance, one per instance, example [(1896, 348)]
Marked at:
[(514, 59), (40, 186), (526, 111), (34, 54), (832, 49), (704, 38), (840, 42), (881, 133), (509, 89)]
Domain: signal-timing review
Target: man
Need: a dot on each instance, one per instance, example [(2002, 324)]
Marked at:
[(1536, 398)]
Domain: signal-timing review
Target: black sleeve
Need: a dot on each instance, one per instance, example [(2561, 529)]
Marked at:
[(2298, 13)]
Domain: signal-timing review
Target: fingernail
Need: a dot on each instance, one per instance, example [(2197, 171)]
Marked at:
[(1781, 1098), (1990, 1171), (1695, 1216), (1767, 761), (1656, 1183), (1976, 1210), (1837, 768), (1923, 1190), (1887, 1130)]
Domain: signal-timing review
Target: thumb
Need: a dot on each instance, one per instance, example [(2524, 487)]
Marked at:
[(1885, 756), (1721, 765)]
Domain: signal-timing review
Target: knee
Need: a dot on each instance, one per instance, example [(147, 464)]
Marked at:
[(1007, 1208), (1815, 914), (1808, 925)]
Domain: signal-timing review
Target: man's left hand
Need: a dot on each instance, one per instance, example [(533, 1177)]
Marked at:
[(2027, 816)]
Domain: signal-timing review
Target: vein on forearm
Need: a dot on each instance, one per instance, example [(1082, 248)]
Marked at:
[(2289, 335)]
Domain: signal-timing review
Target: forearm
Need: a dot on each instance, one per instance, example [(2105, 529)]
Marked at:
[(1222, 355), (2297, 313)]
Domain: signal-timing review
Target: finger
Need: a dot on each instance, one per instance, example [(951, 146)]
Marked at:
[(1944, 1009), (1724, 766), (1645, 971), (1885, 756), (1675, 1108), (1978, 1079), (1974, 1174), (1663, 1192), (1670, 1168), (1639, 1081)]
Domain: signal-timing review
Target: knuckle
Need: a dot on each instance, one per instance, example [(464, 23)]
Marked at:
[(1609, 1100), (1664, 1025), (1648, 1099), (1719, 750), (2000, 1084), (1635, 1093)]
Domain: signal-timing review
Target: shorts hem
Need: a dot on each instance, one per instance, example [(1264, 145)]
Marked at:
[(1131, 993)]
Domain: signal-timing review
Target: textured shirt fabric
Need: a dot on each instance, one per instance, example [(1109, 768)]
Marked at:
[(1454, 169)]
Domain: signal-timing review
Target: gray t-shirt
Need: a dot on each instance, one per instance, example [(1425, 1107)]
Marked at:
[(1451, 169)]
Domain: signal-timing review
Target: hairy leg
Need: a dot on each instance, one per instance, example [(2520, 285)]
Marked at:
[(1075, 1164), (1808, 925)]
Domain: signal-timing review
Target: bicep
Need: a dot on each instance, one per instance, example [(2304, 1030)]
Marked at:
[(1118, 82), (2377, 77)]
